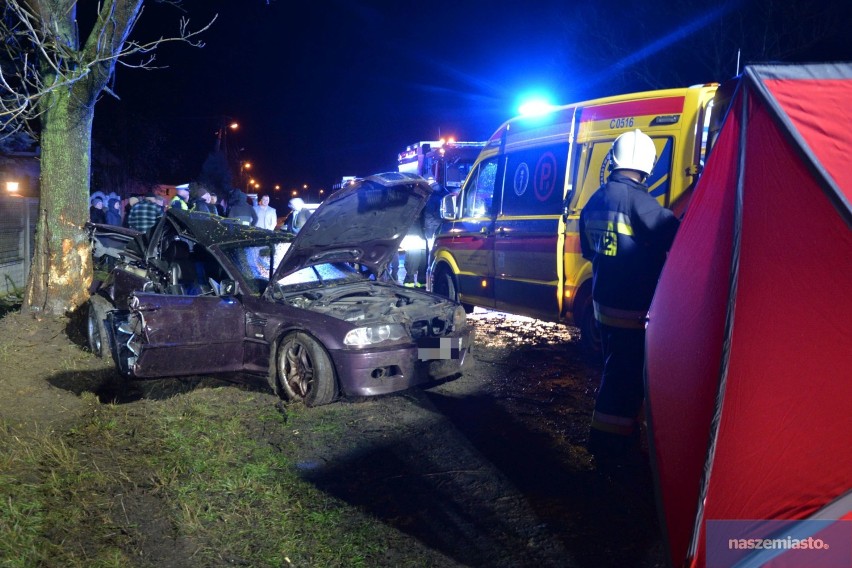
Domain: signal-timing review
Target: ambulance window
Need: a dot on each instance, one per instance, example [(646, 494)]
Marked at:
[(535, 180), (479, 192), (592, 170), (659, 182)]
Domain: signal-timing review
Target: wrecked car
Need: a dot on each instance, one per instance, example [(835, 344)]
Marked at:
[(200, 294)]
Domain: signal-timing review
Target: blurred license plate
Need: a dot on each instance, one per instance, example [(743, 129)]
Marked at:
[(429, 348)]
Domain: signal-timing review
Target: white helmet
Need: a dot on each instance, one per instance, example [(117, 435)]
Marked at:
[(634, 151)]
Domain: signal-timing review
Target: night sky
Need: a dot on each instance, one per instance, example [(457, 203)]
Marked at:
[(326, 89)]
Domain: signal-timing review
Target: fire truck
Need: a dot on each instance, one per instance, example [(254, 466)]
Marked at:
[(446, 160)]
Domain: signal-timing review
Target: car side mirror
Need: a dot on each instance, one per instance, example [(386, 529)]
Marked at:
[(229, 288), (448, 207)]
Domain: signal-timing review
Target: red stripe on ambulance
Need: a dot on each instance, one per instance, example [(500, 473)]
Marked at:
[(667, 105)]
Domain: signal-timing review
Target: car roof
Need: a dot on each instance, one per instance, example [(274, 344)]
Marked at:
[(208, 229)]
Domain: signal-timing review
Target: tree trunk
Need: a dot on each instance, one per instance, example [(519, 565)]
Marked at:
[(61, 271)]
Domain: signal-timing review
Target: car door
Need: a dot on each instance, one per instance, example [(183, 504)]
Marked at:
[(169, 335), (473, 235)]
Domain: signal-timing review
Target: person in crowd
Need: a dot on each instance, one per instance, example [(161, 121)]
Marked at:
[(626, 234), (417, 260), (391, 273), (181, 198), (96, 211), (267, 218), (145, 214), (199, 199), (127, 207), (113, 212), (300, 213), (414, 244), (216, 207), (240, 209), (431, 215)]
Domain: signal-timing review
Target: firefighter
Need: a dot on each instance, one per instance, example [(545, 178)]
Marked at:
[(626, 234)]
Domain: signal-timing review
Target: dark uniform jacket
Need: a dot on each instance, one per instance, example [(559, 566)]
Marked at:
[(626, 234), (97, 215), (240, 209)]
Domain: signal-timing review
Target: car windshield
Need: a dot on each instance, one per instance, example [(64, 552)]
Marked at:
[(257, 262), (320, 275)]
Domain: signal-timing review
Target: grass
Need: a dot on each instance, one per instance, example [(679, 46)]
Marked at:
[(10, 302), (194, 476)]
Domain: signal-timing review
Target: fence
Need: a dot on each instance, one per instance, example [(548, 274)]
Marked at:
[(18, 217)]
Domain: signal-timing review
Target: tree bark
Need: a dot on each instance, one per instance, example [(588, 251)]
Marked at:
[(74, 75), (61, 271)]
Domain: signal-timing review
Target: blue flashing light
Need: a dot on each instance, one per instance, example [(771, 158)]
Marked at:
[(536, 107)]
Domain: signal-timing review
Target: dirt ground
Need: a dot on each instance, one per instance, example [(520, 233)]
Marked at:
[(487, 470)]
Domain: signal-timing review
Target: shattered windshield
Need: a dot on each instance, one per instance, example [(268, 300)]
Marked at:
[(257, 262), (321, 274)]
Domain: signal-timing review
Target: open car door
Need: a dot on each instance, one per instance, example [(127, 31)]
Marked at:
[(165, 335)]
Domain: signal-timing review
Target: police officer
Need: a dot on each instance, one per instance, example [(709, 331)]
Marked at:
[(180, 200), (626, 234)]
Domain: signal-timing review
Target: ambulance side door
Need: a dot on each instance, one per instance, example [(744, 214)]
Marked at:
[(527, 230)]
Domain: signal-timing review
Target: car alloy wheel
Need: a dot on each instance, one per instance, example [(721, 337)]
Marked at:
[(305, 371)]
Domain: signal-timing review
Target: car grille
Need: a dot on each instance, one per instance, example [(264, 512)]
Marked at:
[(435, 327)]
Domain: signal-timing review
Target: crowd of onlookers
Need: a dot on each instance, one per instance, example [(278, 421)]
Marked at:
[(142, 212)]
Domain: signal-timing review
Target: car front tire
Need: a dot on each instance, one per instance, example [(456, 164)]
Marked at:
[(96, 326), (305, 371)]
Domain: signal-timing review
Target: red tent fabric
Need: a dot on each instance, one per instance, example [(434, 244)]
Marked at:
[(749, 340)]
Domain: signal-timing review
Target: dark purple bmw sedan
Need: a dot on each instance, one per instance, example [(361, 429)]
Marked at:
[(201, 294)]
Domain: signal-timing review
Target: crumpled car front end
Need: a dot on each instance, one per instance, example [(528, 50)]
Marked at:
[(400, 337)]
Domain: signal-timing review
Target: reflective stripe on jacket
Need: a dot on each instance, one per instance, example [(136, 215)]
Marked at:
[(615, 317), (626, 234), (613, 424), (181, 203)]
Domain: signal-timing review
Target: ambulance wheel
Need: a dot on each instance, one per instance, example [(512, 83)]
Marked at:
[(444, 284)]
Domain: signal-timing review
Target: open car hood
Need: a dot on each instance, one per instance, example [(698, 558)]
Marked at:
[(362, 223)]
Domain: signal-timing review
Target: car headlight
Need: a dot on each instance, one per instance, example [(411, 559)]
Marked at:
[(364, 336), (459, 318)]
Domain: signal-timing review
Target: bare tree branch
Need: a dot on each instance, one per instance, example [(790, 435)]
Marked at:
[(41, 53)]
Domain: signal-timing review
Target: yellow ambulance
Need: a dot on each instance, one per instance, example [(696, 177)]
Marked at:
[(510, 241)]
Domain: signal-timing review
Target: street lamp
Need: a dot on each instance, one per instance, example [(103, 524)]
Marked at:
[(222, 131), (12, 186), (244, 170)]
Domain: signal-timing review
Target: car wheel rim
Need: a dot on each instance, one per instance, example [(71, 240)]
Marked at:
[(297, 369)]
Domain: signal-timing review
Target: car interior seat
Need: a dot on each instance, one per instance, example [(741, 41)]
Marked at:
[(182, 275)]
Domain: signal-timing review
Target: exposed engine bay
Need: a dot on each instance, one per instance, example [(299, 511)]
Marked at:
[(377, 301)]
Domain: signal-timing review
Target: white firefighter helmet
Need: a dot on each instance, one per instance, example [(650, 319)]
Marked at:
[(634, 151)]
